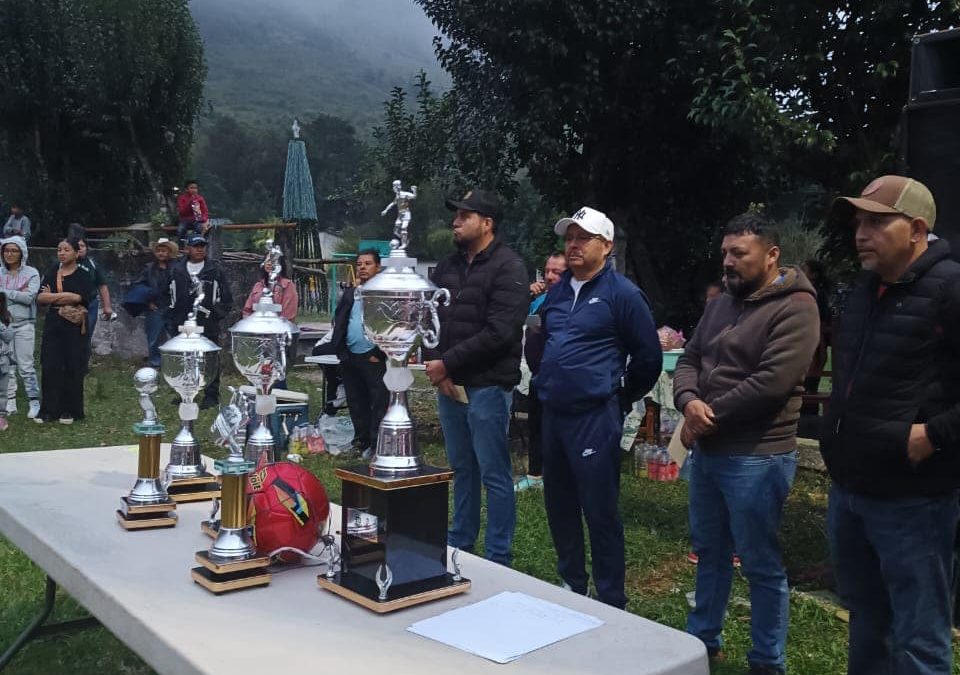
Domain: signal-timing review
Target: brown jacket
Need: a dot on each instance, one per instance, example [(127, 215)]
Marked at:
[(746, 360)]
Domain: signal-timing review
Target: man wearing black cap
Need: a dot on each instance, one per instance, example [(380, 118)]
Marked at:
[(475, 368), (891, 437), (217, 300)]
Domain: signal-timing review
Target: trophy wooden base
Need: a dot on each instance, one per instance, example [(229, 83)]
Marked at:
[(357, 589), (225, 577), (199, 489), (211, 528), (146, 516)]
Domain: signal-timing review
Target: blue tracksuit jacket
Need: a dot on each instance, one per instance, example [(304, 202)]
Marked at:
[(586, 346)]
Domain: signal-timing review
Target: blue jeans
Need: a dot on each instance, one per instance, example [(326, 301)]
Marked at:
[(893, 560), (153, 323), (475, 435), (736, 503)]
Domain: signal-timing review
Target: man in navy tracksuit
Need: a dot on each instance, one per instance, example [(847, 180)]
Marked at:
[(593, 319)]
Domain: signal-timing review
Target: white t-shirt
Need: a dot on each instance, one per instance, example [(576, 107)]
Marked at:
[(576, 285), (193, 269)]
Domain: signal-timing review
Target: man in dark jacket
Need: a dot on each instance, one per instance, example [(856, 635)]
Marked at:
[(593, 319), (476, 369), (362, 363), (217, 301), (891, 439), (739, 384)]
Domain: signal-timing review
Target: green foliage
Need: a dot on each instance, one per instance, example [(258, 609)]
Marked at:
[(97, 104), (673, 116)]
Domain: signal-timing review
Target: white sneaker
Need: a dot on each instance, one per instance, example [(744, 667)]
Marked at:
[(12, 406), (34, 408), (66, 420)]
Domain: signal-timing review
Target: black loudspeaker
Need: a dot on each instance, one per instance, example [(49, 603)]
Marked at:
[(935, 66), (930, 141)]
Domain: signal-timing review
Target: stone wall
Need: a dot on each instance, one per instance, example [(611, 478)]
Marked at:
[(126, 338)]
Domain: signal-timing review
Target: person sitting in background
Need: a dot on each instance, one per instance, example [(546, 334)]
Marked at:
[(192, 212), (17, 224), (284, 292), (21, 283), (6, 337), (67, 290)]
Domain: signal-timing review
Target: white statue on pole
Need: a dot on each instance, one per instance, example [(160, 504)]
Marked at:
[(402, 203)]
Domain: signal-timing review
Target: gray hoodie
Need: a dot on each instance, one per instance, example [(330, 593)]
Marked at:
[(20, 286)]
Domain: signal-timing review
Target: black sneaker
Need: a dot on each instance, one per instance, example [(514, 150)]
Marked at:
[(766, 669)]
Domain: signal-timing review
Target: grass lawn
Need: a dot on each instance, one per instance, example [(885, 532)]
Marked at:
[(658, 575)]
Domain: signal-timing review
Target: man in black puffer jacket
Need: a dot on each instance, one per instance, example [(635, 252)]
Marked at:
[(479, 357), (891, 439)]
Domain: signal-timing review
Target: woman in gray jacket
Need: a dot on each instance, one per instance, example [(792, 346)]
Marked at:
[(20, 283)]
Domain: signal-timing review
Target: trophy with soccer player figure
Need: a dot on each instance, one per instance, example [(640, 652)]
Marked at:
[(394, 511), (147, 505)]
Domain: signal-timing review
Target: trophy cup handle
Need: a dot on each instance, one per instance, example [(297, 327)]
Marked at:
[(431, 336)]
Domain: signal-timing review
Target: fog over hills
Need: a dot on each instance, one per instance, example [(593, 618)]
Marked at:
[(291, 58)]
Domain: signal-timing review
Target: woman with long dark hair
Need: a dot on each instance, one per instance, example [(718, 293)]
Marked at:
[(284, 292), (66, 290)]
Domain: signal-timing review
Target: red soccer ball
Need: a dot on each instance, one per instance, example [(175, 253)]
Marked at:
[(288, 507)]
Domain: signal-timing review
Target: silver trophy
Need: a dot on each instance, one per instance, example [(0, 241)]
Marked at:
[(399, 309), (188, 362), (263, 344), (148, 489), (147, 505), (233, 542)]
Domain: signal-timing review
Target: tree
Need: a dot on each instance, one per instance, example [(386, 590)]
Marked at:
[(97, 104), (674, 116)]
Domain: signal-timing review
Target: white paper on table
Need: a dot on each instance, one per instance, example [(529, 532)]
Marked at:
[(506, 626)]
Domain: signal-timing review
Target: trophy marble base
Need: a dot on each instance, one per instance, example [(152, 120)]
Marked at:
[(200, 489), (146, 516), (393, 539), (364, 592), (225, 577)]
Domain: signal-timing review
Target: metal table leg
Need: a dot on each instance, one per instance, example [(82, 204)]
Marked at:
[(37, 629)]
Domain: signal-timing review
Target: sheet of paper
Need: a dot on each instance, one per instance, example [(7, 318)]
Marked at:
[(506, 626)]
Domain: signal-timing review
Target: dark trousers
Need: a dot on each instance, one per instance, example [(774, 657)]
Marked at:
[(534, 420), (367, 396), (581, 480), (211, 331), (893, 560)]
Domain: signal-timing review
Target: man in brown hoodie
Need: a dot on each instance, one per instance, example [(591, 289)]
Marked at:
[(739, 384)]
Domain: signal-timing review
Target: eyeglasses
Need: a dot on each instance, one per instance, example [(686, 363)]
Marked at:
[(580, 238)]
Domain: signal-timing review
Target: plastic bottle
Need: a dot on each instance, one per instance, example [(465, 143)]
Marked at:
[(653, 463), (640, 460)]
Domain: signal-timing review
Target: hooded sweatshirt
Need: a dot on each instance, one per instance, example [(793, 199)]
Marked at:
[(747, 360), (21, 286)]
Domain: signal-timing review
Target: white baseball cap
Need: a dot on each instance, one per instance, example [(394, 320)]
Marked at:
[(591, 220)]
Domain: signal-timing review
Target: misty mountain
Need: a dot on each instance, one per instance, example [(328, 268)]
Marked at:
[(286, 58)]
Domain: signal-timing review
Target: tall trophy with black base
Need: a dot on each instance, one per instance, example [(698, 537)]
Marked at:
[(394, 510), (188, 362), (231, 563), (147, 506)]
